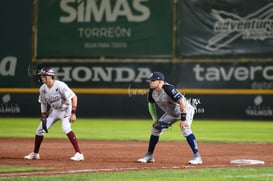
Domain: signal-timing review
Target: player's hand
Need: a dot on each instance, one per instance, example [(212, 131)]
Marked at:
[(73, 117), (154, 123), (183, 124), (44, 121)]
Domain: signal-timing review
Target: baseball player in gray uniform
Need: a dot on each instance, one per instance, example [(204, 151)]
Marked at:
[(58, 102), (175, 108)]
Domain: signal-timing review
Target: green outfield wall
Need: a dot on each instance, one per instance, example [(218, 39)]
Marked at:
[(219, 54)]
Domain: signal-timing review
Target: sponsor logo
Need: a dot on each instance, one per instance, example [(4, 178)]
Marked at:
[(143, 92), (7, 107), (195, 102), (103, 74), (258, 109), (91, 15), (8, 66), (229, 27), (262, 85), (104, 10), (136, 91), (239, 73)]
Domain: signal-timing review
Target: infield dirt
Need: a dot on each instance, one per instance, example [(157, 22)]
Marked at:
[(122, 155)]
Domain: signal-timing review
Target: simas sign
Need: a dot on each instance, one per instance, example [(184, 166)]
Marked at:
[(106, 10), (227, 75), (91, 28)]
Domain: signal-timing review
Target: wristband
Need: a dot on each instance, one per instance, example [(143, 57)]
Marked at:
[(183, 116), (43, 115), (74, 108)]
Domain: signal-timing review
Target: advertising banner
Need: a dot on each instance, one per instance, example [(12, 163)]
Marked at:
[(111, 28), (107, 75), (236, 75), (207, 29), (135, 106), (19, 105), (248, 107), (15, 42)]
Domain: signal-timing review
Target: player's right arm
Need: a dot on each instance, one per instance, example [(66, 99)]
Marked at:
[(43, 102), (151, 106), (44, 114), (152, 110)]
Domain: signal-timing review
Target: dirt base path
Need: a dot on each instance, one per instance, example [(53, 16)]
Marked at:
[(122, 155)]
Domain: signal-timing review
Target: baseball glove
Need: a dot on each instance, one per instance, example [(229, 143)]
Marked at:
[(161, 125), (44, 121)]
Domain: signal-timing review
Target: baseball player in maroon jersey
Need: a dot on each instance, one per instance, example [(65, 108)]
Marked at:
[(175, 108), (58, 102)]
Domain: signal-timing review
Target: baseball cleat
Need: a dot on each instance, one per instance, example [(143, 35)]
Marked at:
[(77, 157), (196, 160), (148, 158), (32, 156)]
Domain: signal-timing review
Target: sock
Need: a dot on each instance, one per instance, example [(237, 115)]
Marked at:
[(152, 143), (193, 144), (37, 143), (71, 136)]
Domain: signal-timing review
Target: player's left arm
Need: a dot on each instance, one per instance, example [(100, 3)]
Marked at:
[(74, 102), (183, 110), (71, 98)]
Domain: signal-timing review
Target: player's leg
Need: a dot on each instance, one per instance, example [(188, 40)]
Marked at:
[(66, 126), (155, 133), (188, 134), (154, 138), (39, 137)]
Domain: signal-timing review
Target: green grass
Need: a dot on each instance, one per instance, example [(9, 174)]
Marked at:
[(205, 174), (8, 168), (139, 130)]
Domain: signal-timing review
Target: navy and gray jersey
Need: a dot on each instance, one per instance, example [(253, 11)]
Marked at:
[(168, 99)]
